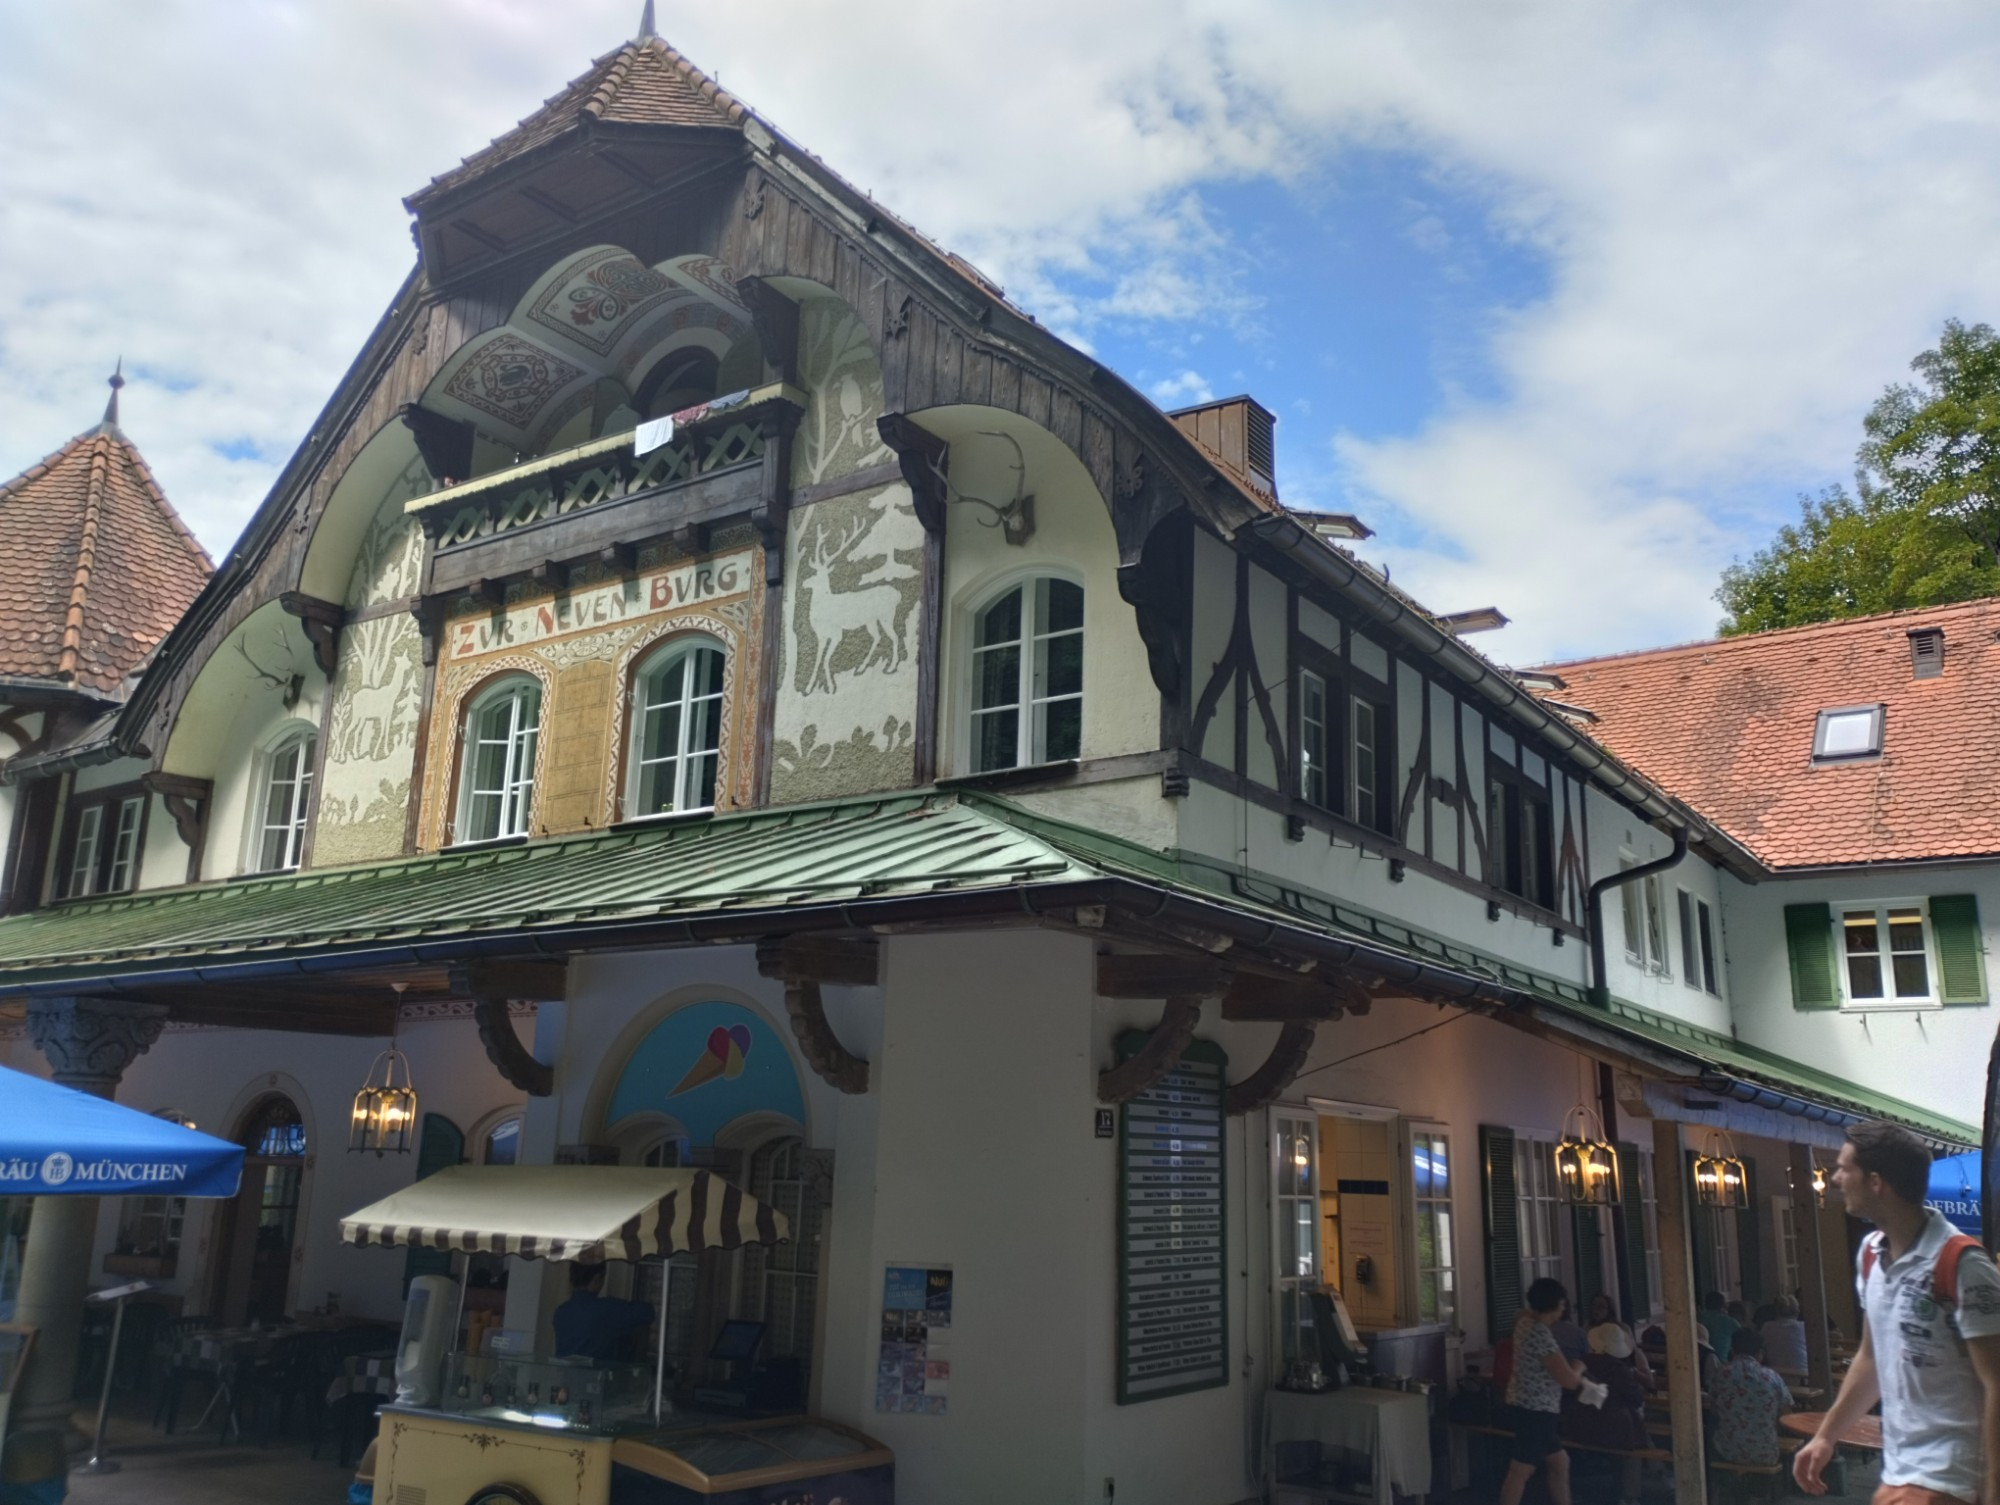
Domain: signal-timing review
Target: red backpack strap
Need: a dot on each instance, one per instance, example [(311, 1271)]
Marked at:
[(1944, 1279)]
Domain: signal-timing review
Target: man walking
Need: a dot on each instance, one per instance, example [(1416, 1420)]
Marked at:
[(1930, 1336)]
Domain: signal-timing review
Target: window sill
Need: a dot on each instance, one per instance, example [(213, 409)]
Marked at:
[(1008, 778), (664, 818), (1892, 1006), (484, 846)]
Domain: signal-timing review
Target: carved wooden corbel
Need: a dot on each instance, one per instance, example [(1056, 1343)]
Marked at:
[(924, 459), (803, 963), (429, 613), (1158, 1056), (776, 318), (445, 443), (322, 621), (186, 800), (491, 986), (1295, 1043)]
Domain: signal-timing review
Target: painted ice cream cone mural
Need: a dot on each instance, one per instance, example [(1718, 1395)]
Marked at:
[(724, 1057)]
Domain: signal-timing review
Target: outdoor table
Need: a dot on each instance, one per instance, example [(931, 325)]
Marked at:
[(1392, 1428), (362, 1378), (222, 1352), (1863, 1432)]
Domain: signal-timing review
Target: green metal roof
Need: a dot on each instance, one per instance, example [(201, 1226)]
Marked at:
[(905, 846)]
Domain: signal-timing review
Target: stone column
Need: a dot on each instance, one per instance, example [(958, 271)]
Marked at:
[(89, 1042)]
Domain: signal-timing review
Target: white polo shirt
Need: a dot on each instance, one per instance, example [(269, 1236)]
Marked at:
[(1931, 1397)]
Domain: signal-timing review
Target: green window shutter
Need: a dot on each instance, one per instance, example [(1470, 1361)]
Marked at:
[(1638, 1288), (1503, 1232), (441, 1144), (1750, 1238), (1586, 1233), (1809, 938), (1961, 950)]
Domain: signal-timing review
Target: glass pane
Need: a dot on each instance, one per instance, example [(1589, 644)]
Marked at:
[(1061, 734), (1000, 622), (503, 1145), (996, 677), (1864, 976), (700, 791), (1859, 931), (1906, 930), (1850, 732), (1061, 606), (1427, 1245), (1294, 1161), (1441, 1164), (1059, 665), (708, 672), (1912, 976), (1420, 1166), (1303, 1226), (995, 740)]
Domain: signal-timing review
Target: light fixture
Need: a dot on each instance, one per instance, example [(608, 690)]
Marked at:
[(1719, 1177), (1587, 1167), (1819, 1184), (385, 1113), (175, 1116)]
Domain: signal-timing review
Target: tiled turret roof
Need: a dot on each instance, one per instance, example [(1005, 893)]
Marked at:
[(95, 564)]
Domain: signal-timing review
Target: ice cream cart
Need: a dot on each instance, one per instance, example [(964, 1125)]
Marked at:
[(515, 1427)]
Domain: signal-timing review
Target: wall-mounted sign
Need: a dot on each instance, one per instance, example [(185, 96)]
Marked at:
[(1107, 1123), (913, 1374), (1173, 1317), (601, 606)]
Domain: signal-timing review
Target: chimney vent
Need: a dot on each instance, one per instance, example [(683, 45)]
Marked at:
[(1239, 432), (1926, 652)]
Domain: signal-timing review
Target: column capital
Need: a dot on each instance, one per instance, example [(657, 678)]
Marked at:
[(90, 1041)]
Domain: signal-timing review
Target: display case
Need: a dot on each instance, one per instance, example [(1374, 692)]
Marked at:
[(752, 1462), (566, 1395)]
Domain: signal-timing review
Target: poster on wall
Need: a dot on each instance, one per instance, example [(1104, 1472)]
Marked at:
[(1173, 1326), (914, 1373)]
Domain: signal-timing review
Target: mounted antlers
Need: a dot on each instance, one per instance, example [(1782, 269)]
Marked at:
[(1017, 517)]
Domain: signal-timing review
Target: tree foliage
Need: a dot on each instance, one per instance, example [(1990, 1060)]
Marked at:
[(1923, 528)]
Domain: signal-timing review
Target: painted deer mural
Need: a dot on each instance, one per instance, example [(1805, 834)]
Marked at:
[(873, 599)]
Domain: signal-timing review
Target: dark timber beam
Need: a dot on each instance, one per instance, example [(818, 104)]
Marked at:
[(831, 1061), (1262, 1086), (1253, 998), (1161, 976), (804, 963), (1158, 1056), (322, 622), (491, 986)]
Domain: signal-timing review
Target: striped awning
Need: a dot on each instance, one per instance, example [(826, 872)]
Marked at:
[(587, 1213)]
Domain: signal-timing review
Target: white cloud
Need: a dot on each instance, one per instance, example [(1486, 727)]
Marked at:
[(1184, 390), (1752, 217)]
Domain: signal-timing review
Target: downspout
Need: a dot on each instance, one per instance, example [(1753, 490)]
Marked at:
[(1600, 985)]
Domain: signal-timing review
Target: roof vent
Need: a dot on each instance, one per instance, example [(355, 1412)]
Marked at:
[(1926, 652), (1479, 619), (1241, 433)]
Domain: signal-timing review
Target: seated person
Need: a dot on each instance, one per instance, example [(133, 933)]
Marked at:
[(1619, 1422), (1746, 1402), (592, 1325), (1785, 1337)]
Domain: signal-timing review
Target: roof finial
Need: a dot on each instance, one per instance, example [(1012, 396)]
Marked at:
[(646, 23), (117, 380)]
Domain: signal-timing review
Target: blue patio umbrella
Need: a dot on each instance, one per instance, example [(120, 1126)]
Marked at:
[(55, 1141), (1955, 1192)]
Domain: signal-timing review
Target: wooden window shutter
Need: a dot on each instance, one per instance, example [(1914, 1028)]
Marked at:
[(1638, 1287), (1750, 1239), (1809, 939), (1587, 1235), (1503, 1232), (1961, 948), (440, 1145)]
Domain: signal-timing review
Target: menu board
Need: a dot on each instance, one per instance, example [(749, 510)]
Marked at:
[(1173, 1319)]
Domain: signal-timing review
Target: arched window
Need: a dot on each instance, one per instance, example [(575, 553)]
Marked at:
[(497, 778), (287, 794), (501, 1144), (781, 1283), (676, 729), (1027, 676)]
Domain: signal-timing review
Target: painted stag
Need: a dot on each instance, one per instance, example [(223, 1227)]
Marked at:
[(873, 607)]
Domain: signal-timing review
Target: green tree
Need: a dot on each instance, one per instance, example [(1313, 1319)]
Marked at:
[(1925, 527)]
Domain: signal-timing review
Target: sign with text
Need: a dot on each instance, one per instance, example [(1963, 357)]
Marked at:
[(606, 605), (1173, 1321)]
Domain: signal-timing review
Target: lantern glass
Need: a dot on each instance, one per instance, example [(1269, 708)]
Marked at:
[(385, 1113)]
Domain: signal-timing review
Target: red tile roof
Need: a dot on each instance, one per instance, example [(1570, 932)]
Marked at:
[(1728, 727), (645, 82), (95, 564)]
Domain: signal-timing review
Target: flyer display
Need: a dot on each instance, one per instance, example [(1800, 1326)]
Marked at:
[(914, 1373)]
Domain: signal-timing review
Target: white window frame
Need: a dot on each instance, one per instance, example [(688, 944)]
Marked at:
[(1891, 1001), (1635, 920), (516, 789), (292, 830), (1444, 1270), (1708, 945), (1649, 1206), (1316, 778), (1785, 1239), (1294, 1131), (1659, 938), (1029, 703), (1684, 903), (686, 759), (120, 823), (1363, 793), (1538, 1207)]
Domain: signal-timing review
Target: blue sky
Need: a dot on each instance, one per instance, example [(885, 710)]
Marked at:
[(1570, 303)]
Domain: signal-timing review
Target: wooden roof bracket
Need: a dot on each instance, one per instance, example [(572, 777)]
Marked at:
[(322, 621), (1159, 1055), (1262, 1086), (491, 986), (803, 963)]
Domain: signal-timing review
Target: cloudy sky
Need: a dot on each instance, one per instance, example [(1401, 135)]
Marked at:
[(1568, 301)]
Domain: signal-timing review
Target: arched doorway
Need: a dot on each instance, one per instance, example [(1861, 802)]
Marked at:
[(259, 1228)]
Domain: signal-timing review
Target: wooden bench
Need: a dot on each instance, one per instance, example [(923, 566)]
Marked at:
[(1644, 1455), (1744, 1481)]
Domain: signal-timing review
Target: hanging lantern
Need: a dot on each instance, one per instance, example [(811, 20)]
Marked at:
[(175, 1116), (1719, 1177), (1819, 1184), (385, 1113), (1586, 1167)]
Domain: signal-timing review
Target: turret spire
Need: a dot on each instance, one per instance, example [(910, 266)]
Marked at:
[(646, 23), (117, 380)]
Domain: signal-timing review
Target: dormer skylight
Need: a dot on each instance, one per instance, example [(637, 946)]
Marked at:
[(1847, 734)]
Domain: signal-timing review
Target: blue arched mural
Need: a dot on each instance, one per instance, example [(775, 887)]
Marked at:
[(707, 1065)]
